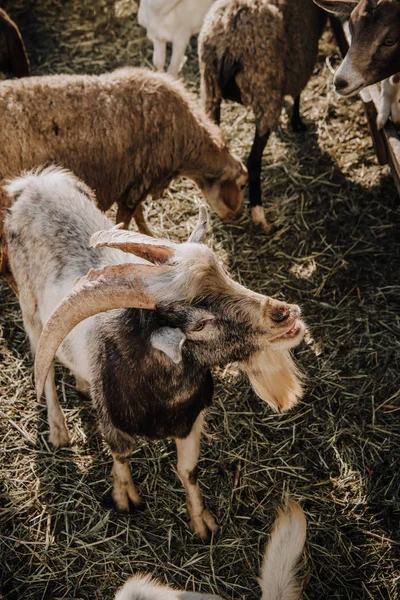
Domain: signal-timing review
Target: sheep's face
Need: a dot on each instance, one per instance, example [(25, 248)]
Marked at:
[(225, 194), (374, 53), (203, 314), (225, 197)]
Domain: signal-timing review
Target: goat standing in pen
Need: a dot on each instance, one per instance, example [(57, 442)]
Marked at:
[(172, 21), (147, 363), (256, 52), (278, 579), (374, 52)]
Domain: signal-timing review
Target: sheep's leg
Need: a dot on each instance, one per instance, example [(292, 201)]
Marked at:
[(59, 435), (140, 221), (296, 120), (201, 520), (124, 215), (215, 113), (124, 489), (254, 169), (179, 46), (159, 54)]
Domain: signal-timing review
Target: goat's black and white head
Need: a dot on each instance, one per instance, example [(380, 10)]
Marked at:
[(205, 316)]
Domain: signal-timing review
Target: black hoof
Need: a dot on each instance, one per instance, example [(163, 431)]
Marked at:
[(298, 126)]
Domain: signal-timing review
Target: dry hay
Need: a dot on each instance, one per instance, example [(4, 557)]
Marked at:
[(335, 251)]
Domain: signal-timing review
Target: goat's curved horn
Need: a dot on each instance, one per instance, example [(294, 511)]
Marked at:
[(141, 245), (114, 286), (200, 231)]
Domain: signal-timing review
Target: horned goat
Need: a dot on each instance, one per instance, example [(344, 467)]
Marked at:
[(171, 21), (13, 59), (127, 134), (278, 579), (374, 52), (147, 363), (255, 52)]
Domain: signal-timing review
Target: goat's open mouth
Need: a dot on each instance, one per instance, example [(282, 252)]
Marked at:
[(293, 332)]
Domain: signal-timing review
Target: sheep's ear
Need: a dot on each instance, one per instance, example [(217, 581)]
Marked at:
[(170, 341), (275, 378), (152, 249), (340, 8)]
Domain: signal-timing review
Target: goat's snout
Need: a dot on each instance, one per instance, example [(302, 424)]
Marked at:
[(280, 313), (340, 84)]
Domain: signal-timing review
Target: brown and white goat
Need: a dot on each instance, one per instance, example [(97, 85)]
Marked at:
[(13, 59), (374, 52), (278, 579), (141, 327)]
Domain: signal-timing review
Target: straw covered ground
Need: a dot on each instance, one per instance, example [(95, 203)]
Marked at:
[(334, 249)]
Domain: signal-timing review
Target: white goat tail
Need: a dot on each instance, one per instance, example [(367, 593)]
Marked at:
[(278, 579)]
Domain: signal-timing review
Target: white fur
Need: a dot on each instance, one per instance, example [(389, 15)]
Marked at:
[(278, 579), (278, 572), (172, 21), (389, 105)]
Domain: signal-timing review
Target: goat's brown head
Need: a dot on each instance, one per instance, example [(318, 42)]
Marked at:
[(225, 193), (203, 316), (374, 53)]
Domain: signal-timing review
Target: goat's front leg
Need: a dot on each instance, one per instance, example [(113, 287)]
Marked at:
[(159, 54), (201, 520), (254, 169), (179, 45), (124, 489), (59, 435)]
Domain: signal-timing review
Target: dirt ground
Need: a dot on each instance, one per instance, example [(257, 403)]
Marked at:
[(335, 250)]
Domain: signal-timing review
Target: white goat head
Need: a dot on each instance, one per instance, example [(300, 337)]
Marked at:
[(210, 319)]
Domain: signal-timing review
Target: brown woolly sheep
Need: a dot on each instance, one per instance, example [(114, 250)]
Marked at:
[(255, 52), (13, 59), (127, 134)]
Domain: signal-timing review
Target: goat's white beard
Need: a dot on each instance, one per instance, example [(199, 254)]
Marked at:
[(275, 378)]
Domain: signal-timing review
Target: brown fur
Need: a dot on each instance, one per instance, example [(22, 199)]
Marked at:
[(372, 23), (127, 134), (13, 59), (270, 48)]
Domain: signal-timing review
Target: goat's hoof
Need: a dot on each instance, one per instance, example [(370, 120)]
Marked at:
[(259, 220), (125, 505), (204, 525), (59, 436)]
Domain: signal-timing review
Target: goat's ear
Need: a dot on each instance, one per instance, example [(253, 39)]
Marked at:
[(275, 378), (340, 8), (170, 341), (145, 246), (200, 231)]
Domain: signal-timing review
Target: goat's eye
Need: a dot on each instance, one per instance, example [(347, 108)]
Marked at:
[(389, 42), (242, 186), (199, 326)]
